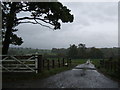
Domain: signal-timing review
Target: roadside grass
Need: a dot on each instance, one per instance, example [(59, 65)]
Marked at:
[(32, 76), (6, 77), (78, 61), (96, 62), (111, 74)]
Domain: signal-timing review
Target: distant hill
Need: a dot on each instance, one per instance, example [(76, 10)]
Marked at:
[(107, 52), (26, 51)]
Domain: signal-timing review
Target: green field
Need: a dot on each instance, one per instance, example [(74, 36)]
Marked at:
[(78, 61)]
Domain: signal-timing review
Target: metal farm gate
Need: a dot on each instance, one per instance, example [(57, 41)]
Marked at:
[(20, 63)]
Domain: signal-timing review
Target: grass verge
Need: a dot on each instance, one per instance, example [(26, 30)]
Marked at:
[(111, 74), (6, 77)]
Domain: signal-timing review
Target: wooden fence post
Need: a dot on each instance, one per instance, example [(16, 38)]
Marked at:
[(43, 63), (63, 61), (108, 65), (105, 65), (67, 62), (101, 63), (111, 65), (115, 65), (110, 68), (39, 58), (58, 62), (53, 64), (70, 61), (36, 63), (48, 65)]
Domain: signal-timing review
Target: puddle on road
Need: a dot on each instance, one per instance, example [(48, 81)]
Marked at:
[(83, 68), (84, 72)]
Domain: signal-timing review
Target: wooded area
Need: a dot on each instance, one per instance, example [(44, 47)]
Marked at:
[(73, 51)]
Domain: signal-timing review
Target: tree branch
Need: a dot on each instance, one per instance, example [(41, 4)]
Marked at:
[(34, 19), (36, 22), (42, 24), (27, 22)]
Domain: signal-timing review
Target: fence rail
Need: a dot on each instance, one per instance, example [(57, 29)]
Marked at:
[(47, 64), (19, 64), (109, 65), (33, 63)]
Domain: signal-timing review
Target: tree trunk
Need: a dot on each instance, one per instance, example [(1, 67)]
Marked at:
[(6, 42), (10, 22)]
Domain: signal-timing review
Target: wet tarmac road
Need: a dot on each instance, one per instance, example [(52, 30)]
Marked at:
[(82, 76)]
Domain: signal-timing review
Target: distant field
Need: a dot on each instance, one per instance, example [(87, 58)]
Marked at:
[(78, 61), (96, 62), (74, 61)]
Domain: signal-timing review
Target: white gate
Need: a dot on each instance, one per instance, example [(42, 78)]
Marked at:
[(19, 63)]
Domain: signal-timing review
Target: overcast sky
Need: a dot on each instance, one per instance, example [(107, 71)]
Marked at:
[(95, 24)]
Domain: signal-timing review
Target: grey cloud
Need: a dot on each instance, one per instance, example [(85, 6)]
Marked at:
[(95, 24), (85, 12)]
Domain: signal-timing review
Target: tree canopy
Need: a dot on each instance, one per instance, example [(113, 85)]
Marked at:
[(51, 13), (81, 51)]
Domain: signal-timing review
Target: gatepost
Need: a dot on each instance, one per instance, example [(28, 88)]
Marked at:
[(39, 58)]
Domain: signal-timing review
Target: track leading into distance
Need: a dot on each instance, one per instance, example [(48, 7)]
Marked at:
[(82, 76)]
